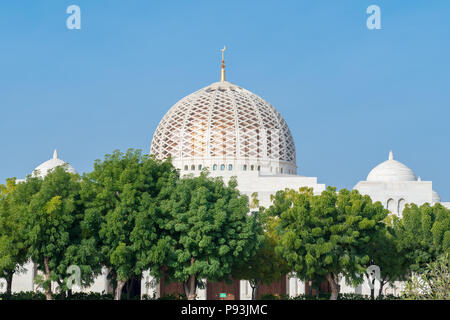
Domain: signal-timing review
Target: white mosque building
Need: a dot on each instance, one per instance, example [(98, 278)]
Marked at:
[(394, 185), (234, 132)]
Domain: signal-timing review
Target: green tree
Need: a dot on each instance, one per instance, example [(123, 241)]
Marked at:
[(325, 236), (265, 265), (433, 283), (122, 197), (385, 253), (424, 234), (209, 230), (13, 251), (52, 224)]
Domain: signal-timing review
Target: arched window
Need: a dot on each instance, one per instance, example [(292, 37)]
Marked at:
[(215, 167), (199, 167), (193, 167), (259, 168), (186, 168), (281, 170), (222, 167), (252, 167), (244, 167), (391, 206), (230, 167), (401, 206)]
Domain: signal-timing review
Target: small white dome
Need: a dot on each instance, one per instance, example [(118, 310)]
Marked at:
[(42, 170), (435, 198), (391, 170)]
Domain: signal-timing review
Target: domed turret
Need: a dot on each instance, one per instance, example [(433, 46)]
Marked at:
[(225, 124), (391, 170), (44, 168), (435, 197)]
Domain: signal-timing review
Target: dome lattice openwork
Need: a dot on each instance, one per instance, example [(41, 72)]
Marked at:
[(223, 121)]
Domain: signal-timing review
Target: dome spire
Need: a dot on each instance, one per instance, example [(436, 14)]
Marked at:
[(222, 74), (391, 155), (55, 154)]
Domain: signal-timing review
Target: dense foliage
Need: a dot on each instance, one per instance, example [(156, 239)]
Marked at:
[(54, 237), (133, 213), (208, 230), (266, 265), (123, 196), (326, 236), (13, 250), (424, 234), (385, 252), (433, 283)]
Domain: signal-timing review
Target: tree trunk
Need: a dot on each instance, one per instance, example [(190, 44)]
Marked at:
[(380, 291), (120, 284), (372, 289), (129, 287), (334, 286), (48, 288), (189, 288), (190, 285), (60, 285), (9, 279), (254, 287), (112, 281)]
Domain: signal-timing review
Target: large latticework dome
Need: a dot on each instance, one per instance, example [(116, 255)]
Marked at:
[(225, 128), (223, 120)]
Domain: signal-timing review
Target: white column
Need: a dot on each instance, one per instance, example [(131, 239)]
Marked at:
[(149, 285), (245, 290), (296, 287), (23, 281), (2, 285)]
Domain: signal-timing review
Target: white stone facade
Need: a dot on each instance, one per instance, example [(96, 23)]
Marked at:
[(395, 185)]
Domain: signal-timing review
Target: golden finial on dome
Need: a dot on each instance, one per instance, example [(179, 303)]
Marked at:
[(222, 75)]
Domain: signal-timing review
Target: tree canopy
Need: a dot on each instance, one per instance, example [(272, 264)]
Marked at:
[(13, 251), (433, 283), (324, 236), (122, 197), (384, 251), (424, 234), (266, 265), (52, 224), (209, 229), (133, 213)]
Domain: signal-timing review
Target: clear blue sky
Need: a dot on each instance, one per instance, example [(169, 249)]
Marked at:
[(348, 94)]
